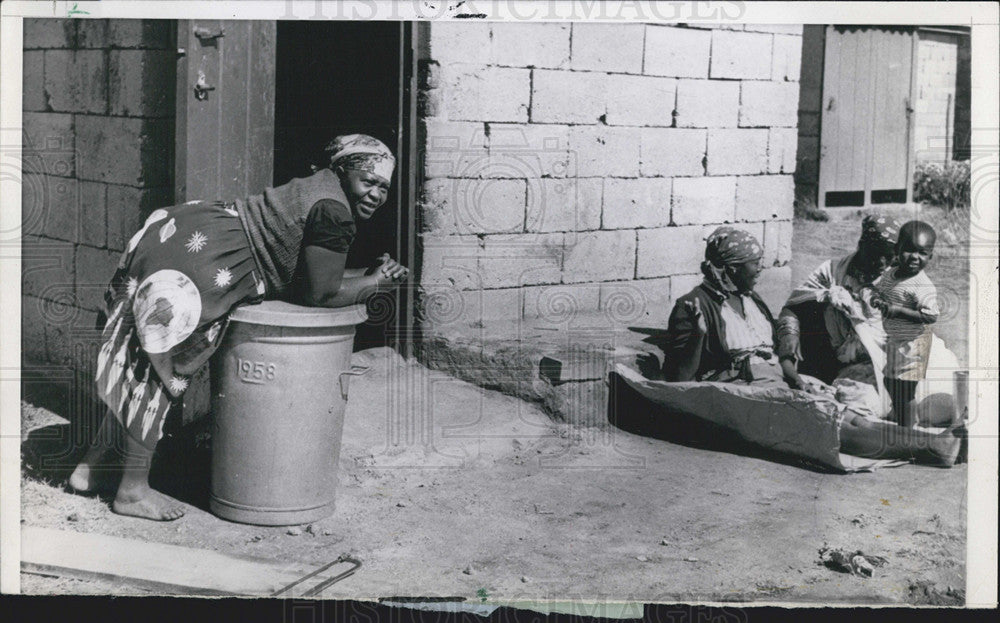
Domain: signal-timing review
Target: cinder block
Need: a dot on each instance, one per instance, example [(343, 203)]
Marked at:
[(603, 151), (568, 204), (62, 215), (49, 144), (600, 256), (765, 197), (489, 206), (526, 259), (737, 152), (708, 103), (46, 268), (76, 81), (93, 211), (530, 44), (142, 82), (740, 55), (460, 41), (774, 286), (682, 284), (672, 152), (49, 33), (32, 330), (450, 262), (140, 33), (641, 100), (678, 52), (94, 270), (559, 304), (781, 146), (777, 243), (633, 203), (607, 47), (121, 150), (568, 97), (698, 200), (33, 81), (454, 148), (769, 104), (128, 208), (437, 206), (532, 150), (643, 301), (669, 251), (783, 29), (786, 58), (92, 33), (478, 93), (72, 341), (482, 307)]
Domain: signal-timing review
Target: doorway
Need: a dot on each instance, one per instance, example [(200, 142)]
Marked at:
[(334, 78)]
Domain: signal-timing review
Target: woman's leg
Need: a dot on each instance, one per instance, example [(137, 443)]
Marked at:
[(106, 439), (135, 497), (883, 440)]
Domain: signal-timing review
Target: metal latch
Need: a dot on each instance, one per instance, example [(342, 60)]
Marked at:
[(202, 87), (204, 34), (354, 371)]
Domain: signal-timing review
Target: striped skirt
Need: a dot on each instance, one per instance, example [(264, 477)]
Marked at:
[(168, 307)]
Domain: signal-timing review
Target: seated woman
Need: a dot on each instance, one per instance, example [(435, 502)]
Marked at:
[(828, 327), (190, 265), (722, 331)]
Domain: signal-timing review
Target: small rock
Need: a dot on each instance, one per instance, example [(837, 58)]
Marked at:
[(690, 559), (664, 542), (642, 559), (73, 517), (467, 571), (310, 529), (327, 532), (256, 539), (296, 531), (525, 579), (401, 504)]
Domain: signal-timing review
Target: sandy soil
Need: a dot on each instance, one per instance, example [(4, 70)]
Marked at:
[(448, 489)]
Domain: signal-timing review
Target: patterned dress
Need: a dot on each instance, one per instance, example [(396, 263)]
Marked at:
[(168, 306)]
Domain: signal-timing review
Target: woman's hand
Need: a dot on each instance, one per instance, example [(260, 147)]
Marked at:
[(390, 271), (693, 309)]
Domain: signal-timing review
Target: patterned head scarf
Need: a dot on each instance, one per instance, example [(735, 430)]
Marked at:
[(879, 229), (361, 152), (727, 246)]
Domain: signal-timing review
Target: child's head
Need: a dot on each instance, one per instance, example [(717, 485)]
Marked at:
[(915, 247)]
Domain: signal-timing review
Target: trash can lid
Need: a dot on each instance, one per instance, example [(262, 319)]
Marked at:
[(282, 314)]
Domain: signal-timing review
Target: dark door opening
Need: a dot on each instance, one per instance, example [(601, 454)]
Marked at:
[(337, 78)]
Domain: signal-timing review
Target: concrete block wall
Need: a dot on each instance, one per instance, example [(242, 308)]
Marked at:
[(574, 169), (97, 158)]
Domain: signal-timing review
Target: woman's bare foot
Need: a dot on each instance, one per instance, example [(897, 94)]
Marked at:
[(147, 503), (944, 447), (83, 479)]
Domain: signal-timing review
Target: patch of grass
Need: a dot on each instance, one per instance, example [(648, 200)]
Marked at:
[(947, 186)]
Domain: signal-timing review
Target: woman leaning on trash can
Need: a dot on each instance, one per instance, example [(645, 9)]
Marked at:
[(190, 265)]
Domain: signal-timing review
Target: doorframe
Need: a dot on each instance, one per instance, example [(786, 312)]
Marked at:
[(406, 180)]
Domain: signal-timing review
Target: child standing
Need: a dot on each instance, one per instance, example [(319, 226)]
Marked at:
[(908, 301)]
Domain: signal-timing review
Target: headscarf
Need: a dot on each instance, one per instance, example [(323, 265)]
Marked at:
[(361, 152), (879, 228), (727, 246)]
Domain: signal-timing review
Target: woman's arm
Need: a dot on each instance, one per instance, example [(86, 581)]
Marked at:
[(328, 284), (788, 348), (686, 339)]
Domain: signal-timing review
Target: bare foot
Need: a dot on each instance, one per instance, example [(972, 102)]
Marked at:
[(147, 503), (82, 479), (945, 447)]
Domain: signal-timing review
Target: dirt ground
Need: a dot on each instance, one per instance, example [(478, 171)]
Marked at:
[(450, 490)]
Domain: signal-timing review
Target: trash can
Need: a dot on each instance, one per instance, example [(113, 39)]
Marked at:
[(279, 391)]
